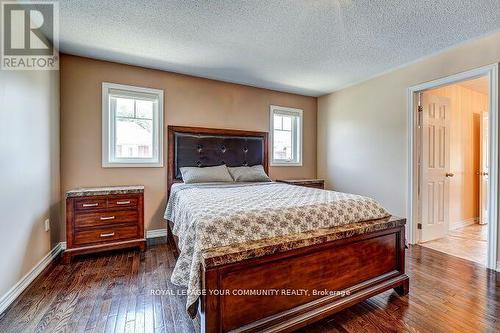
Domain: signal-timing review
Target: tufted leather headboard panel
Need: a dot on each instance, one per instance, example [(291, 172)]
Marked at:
[(193, 146), (210, 150)]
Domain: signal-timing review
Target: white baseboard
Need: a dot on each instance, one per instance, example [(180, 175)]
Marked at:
[(25, 281), (464, 223), (156, 233)]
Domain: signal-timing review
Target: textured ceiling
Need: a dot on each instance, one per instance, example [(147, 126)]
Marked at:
[(301, 46)]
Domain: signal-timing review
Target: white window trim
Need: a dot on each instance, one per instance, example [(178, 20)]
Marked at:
[(155, 162), (292, 111)]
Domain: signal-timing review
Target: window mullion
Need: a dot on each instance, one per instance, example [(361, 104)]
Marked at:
[(294, 139), (112, 131)]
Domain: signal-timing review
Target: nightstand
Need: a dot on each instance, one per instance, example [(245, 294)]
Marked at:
[(104, 218), (316, 183)]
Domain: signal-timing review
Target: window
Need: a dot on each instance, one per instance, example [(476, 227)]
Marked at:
[(286, 136), (132, 126)]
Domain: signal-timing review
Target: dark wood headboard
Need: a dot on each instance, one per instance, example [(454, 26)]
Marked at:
[(196, 146)]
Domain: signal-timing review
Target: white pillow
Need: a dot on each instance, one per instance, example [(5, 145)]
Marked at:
[(254, 173), (205, 175)]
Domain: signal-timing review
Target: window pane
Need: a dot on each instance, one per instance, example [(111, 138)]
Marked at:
[(282, 145), (144, 109), (287, 123), (134, 138), (124, 107), (277, 122), (286, 136)]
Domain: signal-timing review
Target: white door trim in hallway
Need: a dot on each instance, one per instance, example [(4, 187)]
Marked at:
[(491, 71)]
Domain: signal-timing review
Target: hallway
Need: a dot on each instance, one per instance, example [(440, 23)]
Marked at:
[(469, 243)]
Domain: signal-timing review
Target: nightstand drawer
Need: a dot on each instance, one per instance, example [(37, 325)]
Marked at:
[(122, 203), (108, 234), (105, 218), (90, 203), (314, 183)]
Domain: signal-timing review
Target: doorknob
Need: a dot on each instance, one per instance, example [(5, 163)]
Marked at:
[(484, 174), (449, 174)]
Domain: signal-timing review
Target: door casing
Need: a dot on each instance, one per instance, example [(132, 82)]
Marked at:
[(483, 168), (491, 72)]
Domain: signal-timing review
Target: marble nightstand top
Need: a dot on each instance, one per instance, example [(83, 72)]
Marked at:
[(92, 191)]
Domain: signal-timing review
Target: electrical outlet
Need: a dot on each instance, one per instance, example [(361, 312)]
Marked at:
[(47, 225)]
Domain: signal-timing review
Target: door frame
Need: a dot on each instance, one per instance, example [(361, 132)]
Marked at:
[(491, 72), (481, 169)]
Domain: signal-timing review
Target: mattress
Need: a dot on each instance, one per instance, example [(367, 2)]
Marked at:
[(211, 215)]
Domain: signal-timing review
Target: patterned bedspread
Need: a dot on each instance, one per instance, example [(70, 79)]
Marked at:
[(212, 215)]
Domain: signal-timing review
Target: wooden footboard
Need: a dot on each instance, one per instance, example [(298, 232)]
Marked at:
[(286, 290)]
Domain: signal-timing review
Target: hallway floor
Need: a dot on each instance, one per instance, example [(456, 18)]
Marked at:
[(469, 243)]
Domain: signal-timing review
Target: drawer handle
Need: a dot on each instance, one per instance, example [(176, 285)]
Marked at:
[(111, 234), (123, 202), (107, 218), (90, 205)]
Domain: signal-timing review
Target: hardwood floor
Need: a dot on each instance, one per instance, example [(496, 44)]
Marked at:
[(112, 293), (469, 243)]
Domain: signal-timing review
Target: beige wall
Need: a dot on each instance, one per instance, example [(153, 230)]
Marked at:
[(189, 101), (29, 170), (466, 107), (362, 130)]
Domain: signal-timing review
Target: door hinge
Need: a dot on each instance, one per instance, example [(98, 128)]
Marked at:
[(419, 226), (420, 108)]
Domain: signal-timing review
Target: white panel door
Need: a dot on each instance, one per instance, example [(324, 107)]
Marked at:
[(484, 169), (435, 166)]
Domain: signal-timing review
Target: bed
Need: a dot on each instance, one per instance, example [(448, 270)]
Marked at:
[(272, 257)]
